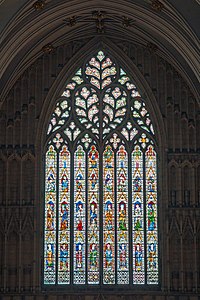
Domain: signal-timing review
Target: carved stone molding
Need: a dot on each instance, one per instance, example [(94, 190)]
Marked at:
[(157, 5), (39, 5), (100, 19), (184, 156), (152, 47), (71, 21), (47, 49), (17, 151)]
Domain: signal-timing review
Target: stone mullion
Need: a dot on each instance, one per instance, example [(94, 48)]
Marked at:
[(177, 132), (24, 116), (140, 59), (154, 72), (37, 213), (147, 69), (15, 116), (181, 253), (6, 226), (31, 124), (131, 51), (45, 73), (183, 109), (161, 88), (5, 270), (192, 184), (31, 86), (170, 95), (163, 213), (179, 186), (61, 54), (21, 127), (38, 91), (195, 266), (197, 130), (53, 65), (35, 251), (173, 129), (20, 268), (167, 256), (170, 124)]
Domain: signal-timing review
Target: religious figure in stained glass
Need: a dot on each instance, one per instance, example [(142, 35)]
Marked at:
[(100, 223), (64, 216)]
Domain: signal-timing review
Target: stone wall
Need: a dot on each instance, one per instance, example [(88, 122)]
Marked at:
[(21, 209)]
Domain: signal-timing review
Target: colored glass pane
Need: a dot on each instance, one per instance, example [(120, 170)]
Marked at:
[(122, 216), (108, 217), (151, 216), (93, 216), (138, 216), (79, 216), (64, 217), (50, 216), (100, 182)]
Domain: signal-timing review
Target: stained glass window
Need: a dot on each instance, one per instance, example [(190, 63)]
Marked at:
[(100, 225)]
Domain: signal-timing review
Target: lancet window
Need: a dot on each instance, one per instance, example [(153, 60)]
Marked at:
[(100, 192)]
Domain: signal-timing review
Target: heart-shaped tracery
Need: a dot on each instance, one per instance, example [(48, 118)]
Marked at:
[(114, 108), (87, 108), (100, 71)]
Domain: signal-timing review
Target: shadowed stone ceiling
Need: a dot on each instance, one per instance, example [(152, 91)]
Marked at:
[(172, 26), (189, 10)]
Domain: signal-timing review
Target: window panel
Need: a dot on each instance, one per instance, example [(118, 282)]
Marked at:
[(138, 216), (93, 216), (79, 216), (100, 182), (108, 217), (151, 213), (122, 217), (50, 216), (64, 217)]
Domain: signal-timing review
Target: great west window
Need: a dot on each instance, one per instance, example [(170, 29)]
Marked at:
[(100, 224)]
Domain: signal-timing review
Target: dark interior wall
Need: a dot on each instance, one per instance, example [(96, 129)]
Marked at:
[(20, 177)]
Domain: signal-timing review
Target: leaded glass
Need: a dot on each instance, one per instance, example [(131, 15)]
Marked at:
[(122, 216), (100, 225), (50, 216), (64, 217), (93, 216), (79, 216), (138, 216), (151, 216), (108, 217)]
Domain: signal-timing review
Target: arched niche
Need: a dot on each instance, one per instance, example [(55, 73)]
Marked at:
[(12, 258), (188, 264), (14, 172), (2, 182), (28, 179), (2, 257), (28, 254), (175, 257), (198, 186), (173, 184), (58, 140), (186, 179), (184, 131)]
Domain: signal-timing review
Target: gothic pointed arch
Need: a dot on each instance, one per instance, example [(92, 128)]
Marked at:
[(100, 225)]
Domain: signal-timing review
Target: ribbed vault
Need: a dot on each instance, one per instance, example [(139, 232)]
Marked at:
[(58, 22)]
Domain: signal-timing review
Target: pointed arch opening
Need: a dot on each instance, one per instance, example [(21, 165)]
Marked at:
[(100, 225)]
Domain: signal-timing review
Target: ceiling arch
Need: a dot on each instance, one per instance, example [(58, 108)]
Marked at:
[(30, 29)]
